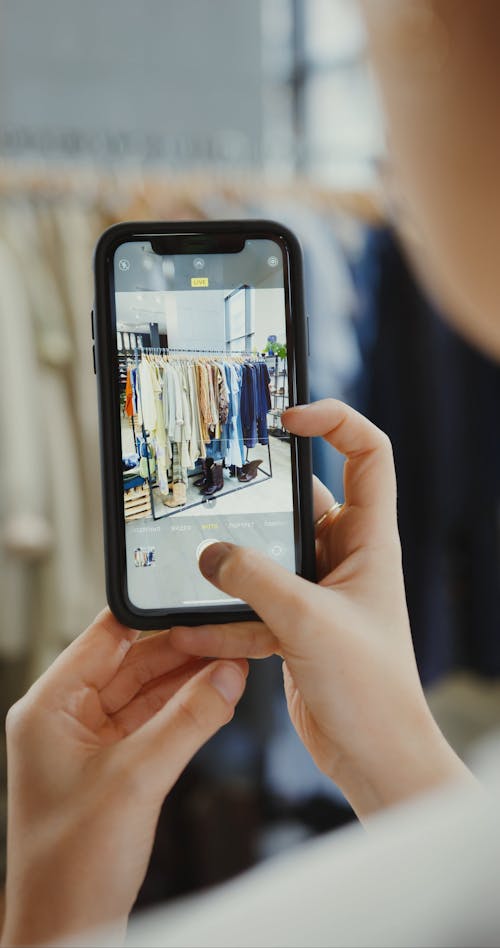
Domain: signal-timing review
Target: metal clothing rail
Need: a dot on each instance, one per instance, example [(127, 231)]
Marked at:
[(165, 350)]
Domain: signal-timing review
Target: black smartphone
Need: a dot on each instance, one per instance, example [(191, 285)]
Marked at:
[(200, 341)]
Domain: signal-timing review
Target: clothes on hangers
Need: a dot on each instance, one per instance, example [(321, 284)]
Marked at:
[(192, 408), (147, 402)]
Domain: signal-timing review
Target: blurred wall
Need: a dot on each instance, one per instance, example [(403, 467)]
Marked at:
[(130, 77)]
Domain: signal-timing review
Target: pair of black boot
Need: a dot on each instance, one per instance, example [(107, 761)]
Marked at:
[(212, 479)]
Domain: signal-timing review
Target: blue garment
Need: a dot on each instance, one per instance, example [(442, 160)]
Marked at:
[(239, 374), (133, 382), (133, 482), (143, 447), (248, 404), (215, 449), (263, 401)]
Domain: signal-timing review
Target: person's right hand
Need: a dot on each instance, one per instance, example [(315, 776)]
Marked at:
[(350, 675)]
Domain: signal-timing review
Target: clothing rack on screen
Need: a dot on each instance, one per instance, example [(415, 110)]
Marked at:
[(240, 356)]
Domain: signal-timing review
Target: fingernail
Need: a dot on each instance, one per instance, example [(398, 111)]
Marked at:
[(229, 682), (212, 557)]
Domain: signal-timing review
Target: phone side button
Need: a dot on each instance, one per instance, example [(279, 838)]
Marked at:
[(92, 322), (93, 359), (308, 338)]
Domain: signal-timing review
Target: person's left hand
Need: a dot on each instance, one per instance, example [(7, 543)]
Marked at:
[(93, 748)]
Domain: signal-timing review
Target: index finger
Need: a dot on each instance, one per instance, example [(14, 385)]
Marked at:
[(148, 660), (231, 640), (93, 658), (369, 476)]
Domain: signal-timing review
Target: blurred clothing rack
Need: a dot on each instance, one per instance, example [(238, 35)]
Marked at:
[(149, 193)]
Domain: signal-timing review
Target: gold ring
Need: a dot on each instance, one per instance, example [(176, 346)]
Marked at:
[(335, 506)]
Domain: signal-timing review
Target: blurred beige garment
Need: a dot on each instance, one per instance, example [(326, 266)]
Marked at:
[(25, 525), (64, 593), (45, 471)]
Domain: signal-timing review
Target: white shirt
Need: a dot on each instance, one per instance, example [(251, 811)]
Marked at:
[(423, 874)]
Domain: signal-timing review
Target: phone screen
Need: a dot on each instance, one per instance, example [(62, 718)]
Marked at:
[(203, 376)]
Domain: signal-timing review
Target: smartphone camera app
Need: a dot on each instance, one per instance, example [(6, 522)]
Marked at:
[(203, 379)]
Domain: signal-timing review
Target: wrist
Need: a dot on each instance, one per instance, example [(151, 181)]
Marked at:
[(34, 916), (27, 931), (407, 762)]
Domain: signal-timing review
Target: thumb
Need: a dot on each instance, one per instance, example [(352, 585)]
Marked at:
[(283, 600), (160, 749)]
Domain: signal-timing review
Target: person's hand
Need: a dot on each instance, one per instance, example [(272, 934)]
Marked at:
[(93, 748), (351, 681)]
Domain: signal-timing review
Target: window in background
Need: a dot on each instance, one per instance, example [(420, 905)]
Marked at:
[(323, 117)]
